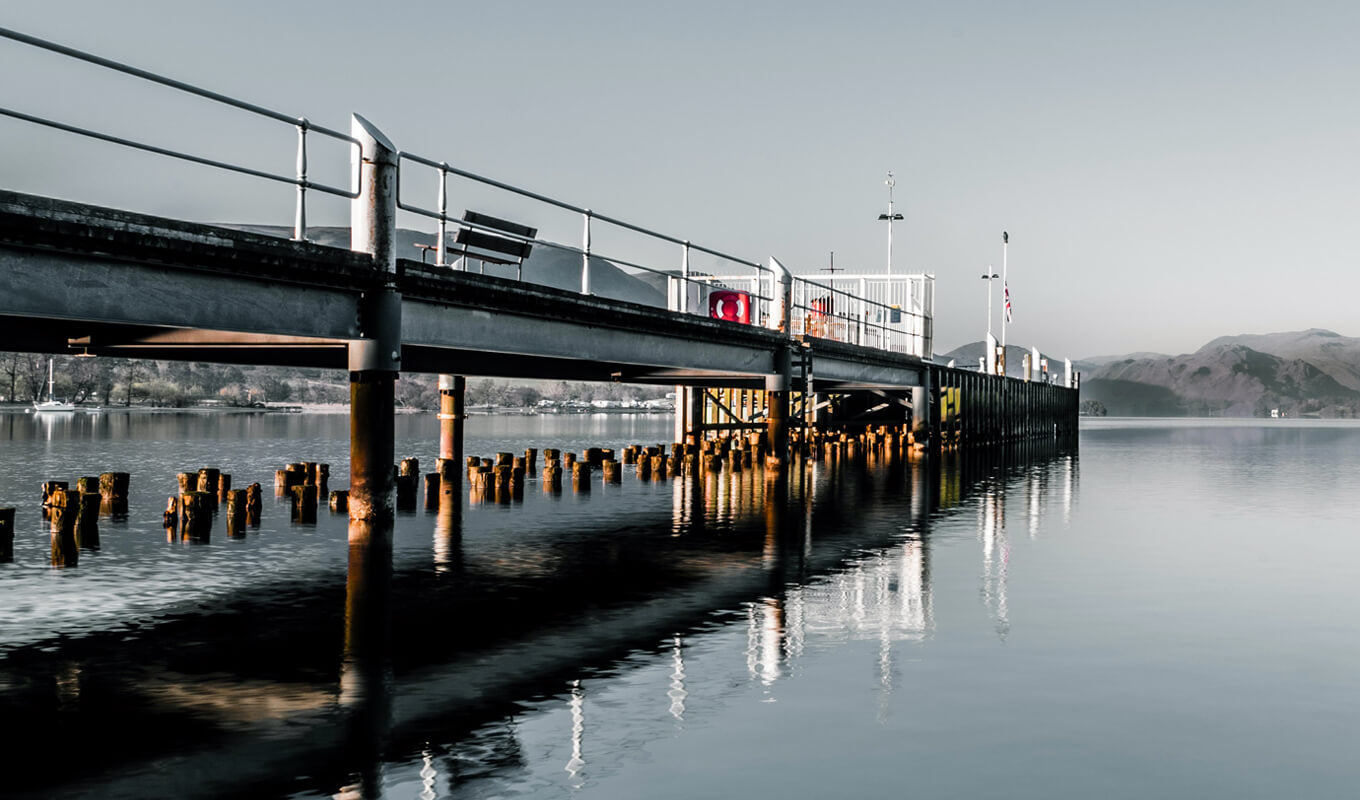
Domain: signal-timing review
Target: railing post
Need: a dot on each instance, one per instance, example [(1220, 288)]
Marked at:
[(300, 219), (781, 316), (441, 247), (375, 358), (585, 256), (684, 280)]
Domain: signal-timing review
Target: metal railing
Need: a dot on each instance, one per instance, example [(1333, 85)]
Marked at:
[(301, 124), (889, 312), (589, 219), (886, 312)]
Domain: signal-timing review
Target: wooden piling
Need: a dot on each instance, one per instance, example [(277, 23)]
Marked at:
[(195, 511), (613, 471), (531, 460), (339, 500), (223, 487), (236, 513), (207, 482), (254, 498), (62, 514), (304, 504), (658, 467), (6, 535), (410, 467), (170, 519), (113, 493), (87, 518), (431, 491), (580, 476), (406, 491)]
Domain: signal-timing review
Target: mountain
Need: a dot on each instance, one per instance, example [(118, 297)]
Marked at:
[(1223, 378), (1334, 354)]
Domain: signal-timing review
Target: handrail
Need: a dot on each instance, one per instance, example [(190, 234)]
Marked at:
[(302, 124)]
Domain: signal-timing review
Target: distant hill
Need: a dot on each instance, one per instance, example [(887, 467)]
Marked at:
[(1334, 354), (967, 356), (1223, 378)]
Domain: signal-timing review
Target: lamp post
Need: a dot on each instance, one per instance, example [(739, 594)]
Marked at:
[(890, 217), (989, 276)]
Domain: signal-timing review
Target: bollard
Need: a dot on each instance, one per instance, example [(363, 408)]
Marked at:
[(613, 472), (304, 504), (254, 498), (6, 535), (195, 511), (431, 490), (236, 513), (339, 500)]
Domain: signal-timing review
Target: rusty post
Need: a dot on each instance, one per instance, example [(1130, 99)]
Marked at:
[(580, 476), (613, 473), (552, 476), (450, 480), (207, 482), (87, 518)]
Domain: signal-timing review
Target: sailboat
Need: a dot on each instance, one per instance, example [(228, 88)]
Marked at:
[(52, 403)]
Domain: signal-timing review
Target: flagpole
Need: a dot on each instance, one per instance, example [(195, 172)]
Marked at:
[(1006, 298)]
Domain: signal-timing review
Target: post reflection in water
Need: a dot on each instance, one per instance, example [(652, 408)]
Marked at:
[(365, 689), (677, 691)]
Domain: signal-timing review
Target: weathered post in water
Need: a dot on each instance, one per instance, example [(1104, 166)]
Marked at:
[(375, 358), (113, 493), (451, 418), (236, 513), (63, 509)]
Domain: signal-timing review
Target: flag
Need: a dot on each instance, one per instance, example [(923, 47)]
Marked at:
[(1007, 287)]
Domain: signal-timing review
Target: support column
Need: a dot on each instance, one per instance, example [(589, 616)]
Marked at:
[(777, 421), (374, 359)]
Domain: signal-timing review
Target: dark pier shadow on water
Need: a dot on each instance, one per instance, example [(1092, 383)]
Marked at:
[(287, 688)]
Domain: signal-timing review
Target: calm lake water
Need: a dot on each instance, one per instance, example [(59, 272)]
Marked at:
[(1170, 613)]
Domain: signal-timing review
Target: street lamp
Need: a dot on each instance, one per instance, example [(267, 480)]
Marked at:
[(989, 276), (890, 217)]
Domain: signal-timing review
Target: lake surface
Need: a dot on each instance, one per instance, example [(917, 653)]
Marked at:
[(1169, 613)]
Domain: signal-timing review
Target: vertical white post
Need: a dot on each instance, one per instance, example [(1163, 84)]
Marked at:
[(441, 248), (684, 282), (300, 218), (864, 307), (585, 255), (1006, 288)]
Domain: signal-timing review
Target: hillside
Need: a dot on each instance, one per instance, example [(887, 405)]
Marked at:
[(1223, 378), (1334, 354)]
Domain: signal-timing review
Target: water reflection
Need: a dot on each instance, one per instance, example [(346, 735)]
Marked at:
[(285, 687)]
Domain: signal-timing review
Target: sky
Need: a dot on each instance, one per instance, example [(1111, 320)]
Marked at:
[(1168, 172)]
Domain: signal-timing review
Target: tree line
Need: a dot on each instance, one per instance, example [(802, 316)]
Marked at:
[(110, 381)]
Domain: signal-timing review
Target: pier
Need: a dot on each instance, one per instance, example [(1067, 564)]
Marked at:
[(757, 351)]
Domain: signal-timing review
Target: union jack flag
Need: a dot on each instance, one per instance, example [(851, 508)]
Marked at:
[(1007, 287)]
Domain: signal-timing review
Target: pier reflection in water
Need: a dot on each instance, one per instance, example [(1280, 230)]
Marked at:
[(441, 677)]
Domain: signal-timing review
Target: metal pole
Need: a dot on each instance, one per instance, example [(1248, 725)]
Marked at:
[(684, 274), (989, 277), (374, 359), (1005, 287)]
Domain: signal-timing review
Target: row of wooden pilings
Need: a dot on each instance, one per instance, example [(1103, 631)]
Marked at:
[(73, 514)]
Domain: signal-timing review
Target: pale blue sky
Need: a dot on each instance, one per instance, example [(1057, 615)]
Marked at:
[(1169, 172)]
